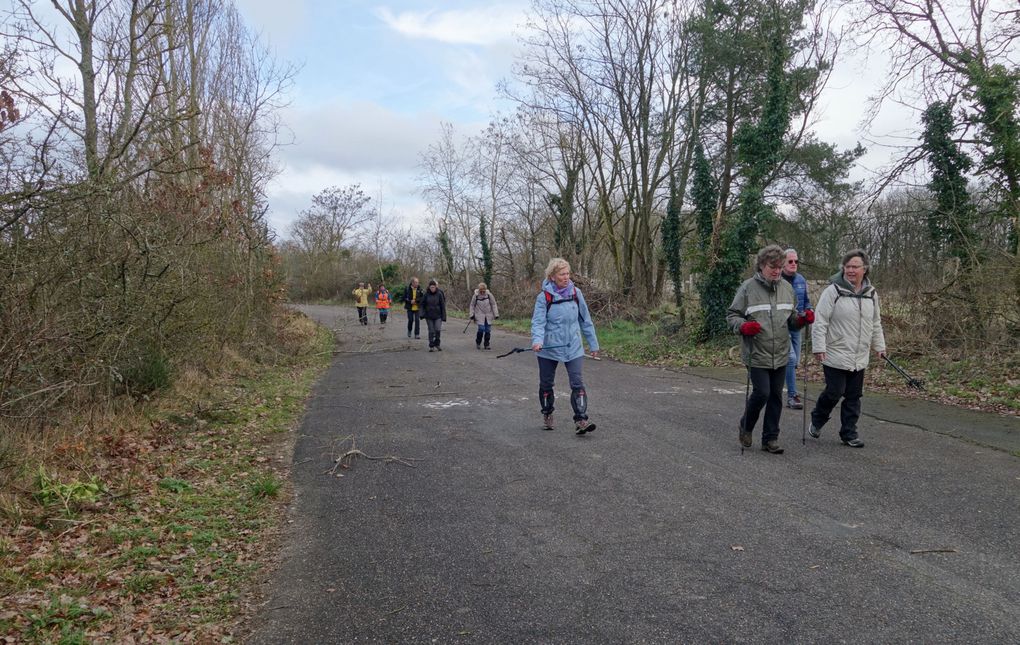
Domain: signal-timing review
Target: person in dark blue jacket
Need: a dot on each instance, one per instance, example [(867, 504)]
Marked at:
[(803, 304), (560, 317)]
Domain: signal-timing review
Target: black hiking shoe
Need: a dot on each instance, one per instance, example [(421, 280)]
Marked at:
[(584, 425), (814, 432), (772, 447), (853, 443)]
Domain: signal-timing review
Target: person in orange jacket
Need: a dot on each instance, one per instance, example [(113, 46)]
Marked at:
[(382, 303)]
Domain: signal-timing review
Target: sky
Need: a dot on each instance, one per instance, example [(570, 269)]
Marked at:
[(377, 80)]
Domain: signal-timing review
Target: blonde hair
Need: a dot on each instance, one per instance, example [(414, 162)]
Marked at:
[(554, 266), (482, 285)]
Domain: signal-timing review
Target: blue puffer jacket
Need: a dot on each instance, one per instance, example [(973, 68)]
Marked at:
[(800, 292), (558, 327)]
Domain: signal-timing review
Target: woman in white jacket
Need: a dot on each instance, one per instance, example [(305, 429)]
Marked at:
[(848, 324)]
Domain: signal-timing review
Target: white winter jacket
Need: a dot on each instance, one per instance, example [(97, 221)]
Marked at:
[(847, 325)]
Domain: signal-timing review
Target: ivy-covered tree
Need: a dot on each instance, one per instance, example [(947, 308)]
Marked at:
[(706, 197), (483, 240), (950, 221), (759, 148), (447, 252), (672, 245)]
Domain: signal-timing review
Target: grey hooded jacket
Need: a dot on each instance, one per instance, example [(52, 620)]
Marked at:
[(773, 306)]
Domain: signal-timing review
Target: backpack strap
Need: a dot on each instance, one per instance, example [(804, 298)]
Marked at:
[(549, 302)]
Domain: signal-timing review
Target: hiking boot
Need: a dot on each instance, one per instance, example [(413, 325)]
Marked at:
[(772, 447), (431, 348), (408, 334), (487, 347), (853, 443), (547, 421), (438, 348), (794, 402), (745, 437), (479, 346), (814, 432), (584, 425)]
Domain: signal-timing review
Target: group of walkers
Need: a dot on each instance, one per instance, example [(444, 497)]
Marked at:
[(770, 309), (769, 312)]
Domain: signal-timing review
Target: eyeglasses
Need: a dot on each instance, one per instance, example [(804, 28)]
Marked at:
[(853, 266), (793, 261)]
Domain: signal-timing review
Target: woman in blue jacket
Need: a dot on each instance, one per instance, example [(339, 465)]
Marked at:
[(560, 317)]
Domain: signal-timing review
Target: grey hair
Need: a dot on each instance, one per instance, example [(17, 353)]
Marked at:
[(857, 253)]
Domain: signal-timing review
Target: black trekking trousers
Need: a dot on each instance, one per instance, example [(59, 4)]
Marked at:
[(845, 384), (766, 392)]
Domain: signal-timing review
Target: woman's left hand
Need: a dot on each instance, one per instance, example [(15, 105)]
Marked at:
[(595, 354)]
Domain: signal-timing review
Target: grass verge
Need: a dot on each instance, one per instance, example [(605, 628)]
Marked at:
[(158, 518)]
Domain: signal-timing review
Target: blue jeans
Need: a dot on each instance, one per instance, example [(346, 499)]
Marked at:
[(791, 367)]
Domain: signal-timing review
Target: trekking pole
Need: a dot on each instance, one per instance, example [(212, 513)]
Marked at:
[(917, 384), (466, 326), (747, 395), (518, 350), (803, 388)]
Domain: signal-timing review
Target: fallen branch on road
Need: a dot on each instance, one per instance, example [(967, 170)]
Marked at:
[(348, 456)]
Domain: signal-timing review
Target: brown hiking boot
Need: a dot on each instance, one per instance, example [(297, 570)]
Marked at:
[(547, 421), (745, 437), (772, 447)]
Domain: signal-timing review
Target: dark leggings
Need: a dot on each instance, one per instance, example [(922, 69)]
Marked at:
[(840, 383), (546, 378), (766, 392)]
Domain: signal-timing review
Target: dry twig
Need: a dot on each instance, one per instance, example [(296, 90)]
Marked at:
[(345, 459)]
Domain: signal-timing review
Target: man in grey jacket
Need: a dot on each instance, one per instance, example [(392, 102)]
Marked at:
[(764, 313)]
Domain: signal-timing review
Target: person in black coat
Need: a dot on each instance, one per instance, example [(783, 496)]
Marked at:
[(433, 307)]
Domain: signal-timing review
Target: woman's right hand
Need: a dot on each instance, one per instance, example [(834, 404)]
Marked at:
[(820, 357), (537, 347)]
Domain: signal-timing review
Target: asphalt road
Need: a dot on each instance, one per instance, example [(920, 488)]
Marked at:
[(653, 529)]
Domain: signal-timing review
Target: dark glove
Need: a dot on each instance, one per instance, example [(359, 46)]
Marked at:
[(497, 317), (750, 328), (472, 317)]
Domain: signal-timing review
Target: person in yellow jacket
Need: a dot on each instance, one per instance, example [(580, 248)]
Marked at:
[(382, 303), (361, 301)]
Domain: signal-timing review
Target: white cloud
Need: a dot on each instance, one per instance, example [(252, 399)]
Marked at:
[(280, 22), (358, 137), (483, 26)]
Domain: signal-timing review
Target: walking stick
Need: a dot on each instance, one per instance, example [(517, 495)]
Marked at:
[(518, 350), (803, 388), (747, 395), (917, 384), (466, 327)]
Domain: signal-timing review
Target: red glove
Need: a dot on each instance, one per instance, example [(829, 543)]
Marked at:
[(807, 319), (750, 328)]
